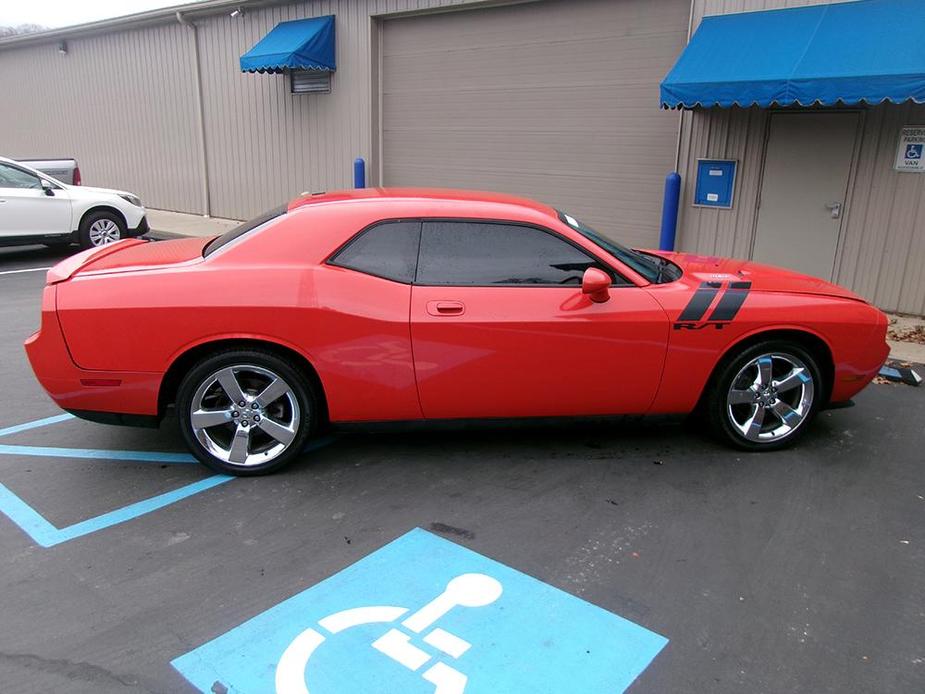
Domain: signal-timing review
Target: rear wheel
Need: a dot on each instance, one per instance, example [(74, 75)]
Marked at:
[(245, 412), (101, 228), (764, 398)]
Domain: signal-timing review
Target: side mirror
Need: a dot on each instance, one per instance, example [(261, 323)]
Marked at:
[(596, 284), (47, 187)]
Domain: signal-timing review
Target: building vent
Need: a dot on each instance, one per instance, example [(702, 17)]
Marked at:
[(309, 81)]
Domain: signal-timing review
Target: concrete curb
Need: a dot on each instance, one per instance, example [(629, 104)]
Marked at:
[(182, 224)]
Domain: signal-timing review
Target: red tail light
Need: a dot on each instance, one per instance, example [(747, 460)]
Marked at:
[(76, 175)]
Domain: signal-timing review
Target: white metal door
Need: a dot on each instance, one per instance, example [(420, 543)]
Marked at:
[(803, 190), (27, 210)]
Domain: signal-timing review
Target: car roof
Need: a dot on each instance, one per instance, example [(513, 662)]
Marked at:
[(431, 195)]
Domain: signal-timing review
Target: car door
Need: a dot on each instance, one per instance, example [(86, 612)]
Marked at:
[(26, 209), (500, 327), (361, 341)]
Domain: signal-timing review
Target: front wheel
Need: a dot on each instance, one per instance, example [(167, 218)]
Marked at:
[(245, 412), (100, 228), (764, 398)]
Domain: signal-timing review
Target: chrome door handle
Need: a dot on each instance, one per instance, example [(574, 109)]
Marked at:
[(835, 209)]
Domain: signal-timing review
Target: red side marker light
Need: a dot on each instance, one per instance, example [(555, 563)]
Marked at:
[(100, 382)]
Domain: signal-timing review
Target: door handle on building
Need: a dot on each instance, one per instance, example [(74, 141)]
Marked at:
[(835, 209)]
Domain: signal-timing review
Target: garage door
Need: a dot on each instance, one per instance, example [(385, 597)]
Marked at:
[(557, 100)]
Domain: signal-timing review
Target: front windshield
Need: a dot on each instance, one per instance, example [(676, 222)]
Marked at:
[(648, 266)]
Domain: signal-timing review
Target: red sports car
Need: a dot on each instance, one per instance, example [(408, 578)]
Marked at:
[(389, 305)]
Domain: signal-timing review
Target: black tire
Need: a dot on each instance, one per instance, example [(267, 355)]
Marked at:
[(84, 237), (243, 362), (722, 416)]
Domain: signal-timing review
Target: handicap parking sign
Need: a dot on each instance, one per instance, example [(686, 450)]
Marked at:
[(424, 615), (910, 155)]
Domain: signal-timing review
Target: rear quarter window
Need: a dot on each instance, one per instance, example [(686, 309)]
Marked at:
[(388, 250), (242, 229)]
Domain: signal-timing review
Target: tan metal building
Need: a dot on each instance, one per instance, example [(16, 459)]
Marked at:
[(791, 159), (556, 99), (552, 99)]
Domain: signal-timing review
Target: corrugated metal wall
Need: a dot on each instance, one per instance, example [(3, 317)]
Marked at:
[(503, 99), (124, 104), (266, 145), (120, 103), (882, 254), (702, 8), (881, 251)]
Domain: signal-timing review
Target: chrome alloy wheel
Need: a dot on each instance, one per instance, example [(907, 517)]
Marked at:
[(770, 397), (245, 415), (104, 231)]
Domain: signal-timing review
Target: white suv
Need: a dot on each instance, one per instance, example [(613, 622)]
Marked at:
[(36, 208)]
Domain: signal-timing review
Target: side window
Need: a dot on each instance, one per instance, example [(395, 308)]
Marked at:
[(388, 250), (485, 253), (11, 177)]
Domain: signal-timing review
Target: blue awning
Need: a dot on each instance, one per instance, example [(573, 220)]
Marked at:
[(869, 51), (302, 44)]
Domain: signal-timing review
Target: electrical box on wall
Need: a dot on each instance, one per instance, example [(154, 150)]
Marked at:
[(715, 183)]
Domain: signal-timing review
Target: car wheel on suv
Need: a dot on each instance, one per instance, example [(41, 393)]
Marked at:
[(100, 228)]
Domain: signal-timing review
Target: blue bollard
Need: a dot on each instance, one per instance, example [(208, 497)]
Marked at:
[(670, 206), (359, 173)]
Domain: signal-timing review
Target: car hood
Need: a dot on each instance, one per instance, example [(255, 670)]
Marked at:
[(763, 277), (89, 191)]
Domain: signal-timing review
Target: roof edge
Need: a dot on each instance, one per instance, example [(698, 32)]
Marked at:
[(163, 15)]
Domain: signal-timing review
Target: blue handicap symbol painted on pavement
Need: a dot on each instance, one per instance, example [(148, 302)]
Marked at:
[(424, 615), (43, 532), (914, 151)]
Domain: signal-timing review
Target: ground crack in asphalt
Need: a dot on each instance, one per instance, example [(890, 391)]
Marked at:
[(85, 672)]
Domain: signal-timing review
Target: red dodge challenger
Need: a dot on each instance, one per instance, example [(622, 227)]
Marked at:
[(389, 305)]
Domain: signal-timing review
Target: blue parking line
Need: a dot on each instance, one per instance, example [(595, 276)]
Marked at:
[(26, 517), (44, 533), (98, 454), (47, 535), (37, 423)]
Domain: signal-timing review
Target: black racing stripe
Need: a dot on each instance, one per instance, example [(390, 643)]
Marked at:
[(700, 302), (731, 302)]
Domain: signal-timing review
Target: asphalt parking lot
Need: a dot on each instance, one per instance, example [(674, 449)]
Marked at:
[(802, 570)]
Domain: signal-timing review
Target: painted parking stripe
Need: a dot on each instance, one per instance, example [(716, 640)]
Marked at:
[(35, 424), (476, 626), (98, 454), (47, 535), (28, 269)]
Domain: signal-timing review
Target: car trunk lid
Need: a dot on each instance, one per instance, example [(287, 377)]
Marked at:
[(128, 254)]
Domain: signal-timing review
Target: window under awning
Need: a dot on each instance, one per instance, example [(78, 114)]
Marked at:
[(302, 44), (868, 51)]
